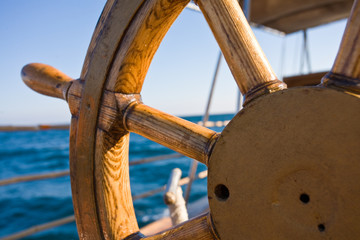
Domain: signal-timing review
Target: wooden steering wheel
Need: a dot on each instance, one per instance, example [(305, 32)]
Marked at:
[(286, 167)]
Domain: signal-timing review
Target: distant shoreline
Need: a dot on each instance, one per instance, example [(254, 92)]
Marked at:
[(34, 128), (193, 118)]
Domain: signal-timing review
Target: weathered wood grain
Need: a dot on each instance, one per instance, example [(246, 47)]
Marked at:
[(157, 226), (136, 49), (109, 31), (348, 58), (113, 185), (345, 73), (99, 142), (74, 96), (247, 62), (183, 136), (50, 81), (131, 57), (46, 80), (199, 228), (106, 104)]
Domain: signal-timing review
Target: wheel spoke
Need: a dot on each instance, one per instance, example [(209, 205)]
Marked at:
[(345, 72), (247, 62), (183, 136), (196, 228)]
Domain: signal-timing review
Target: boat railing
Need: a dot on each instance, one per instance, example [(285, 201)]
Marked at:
[(67, 172), (62, 221)]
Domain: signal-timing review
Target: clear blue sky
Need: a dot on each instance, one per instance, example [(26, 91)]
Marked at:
[(58, 33)]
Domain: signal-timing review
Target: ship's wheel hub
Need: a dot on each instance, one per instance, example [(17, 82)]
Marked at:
[(287, 167)]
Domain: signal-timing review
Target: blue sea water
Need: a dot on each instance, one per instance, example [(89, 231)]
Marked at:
[(27, 204)]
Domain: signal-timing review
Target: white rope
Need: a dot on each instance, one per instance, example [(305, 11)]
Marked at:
[(178, 211)]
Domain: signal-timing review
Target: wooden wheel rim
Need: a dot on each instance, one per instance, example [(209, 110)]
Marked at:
[(116, 63), (108, 65), (114, 71), (119, 55)]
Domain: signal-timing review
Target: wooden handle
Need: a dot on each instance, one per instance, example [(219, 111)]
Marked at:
[(46, 80), (242, 52), (345, 73)]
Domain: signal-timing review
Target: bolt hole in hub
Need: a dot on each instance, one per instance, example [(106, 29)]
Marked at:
[(305, 198), (222, 192), (321, 227)]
